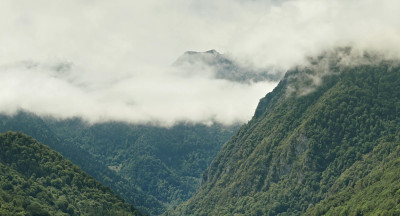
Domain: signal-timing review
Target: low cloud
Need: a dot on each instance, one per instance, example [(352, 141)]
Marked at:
[(154, 97), (110, 60)]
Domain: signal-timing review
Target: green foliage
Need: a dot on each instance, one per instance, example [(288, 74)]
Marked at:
[(312, 143), (37, 181), (150, 167), (365, 189), (34, 126), (165, 163)]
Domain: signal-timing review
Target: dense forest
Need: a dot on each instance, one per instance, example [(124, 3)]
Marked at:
[(165, 163), (325, 141), (37, 181), (151, 167), (34, 126)]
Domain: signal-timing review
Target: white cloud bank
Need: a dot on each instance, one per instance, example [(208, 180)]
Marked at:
[(109, 60), (157, 97)]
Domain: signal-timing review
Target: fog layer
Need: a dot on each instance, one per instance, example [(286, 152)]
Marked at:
[(111, 60)]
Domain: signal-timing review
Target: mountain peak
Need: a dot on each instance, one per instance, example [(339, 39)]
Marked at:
[(222, 66), (212, 51)]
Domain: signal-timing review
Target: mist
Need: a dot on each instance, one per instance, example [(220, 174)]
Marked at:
[(102, 60)]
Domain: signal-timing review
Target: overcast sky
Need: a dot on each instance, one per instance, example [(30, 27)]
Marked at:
[(111, 60)]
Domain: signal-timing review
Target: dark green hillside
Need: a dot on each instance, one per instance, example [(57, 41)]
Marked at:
[(45, 133), (364, 189), (37, 181), (165, 163), (326, 140), (151, 167)]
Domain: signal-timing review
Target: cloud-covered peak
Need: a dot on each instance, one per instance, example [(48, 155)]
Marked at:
[(111, 60), (160, 96), (224, 67)]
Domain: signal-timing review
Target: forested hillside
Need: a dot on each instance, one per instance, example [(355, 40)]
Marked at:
[(325, 141), (151, 167), (34, 126), (35, 180), (165, 163)]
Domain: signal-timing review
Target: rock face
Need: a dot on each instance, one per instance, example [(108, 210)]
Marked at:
[(325, 141)]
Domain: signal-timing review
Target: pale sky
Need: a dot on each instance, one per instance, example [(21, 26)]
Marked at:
[(111, 60)]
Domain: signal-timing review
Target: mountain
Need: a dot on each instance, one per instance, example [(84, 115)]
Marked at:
[(152, 168), (325, 141), (222, 66), (37, 181), (164, 163), (34, 126)]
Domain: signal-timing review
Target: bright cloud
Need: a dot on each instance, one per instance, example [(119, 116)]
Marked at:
[(110, 60)]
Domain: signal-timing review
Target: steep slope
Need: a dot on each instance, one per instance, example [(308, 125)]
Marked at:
[(38, 181), (326, 131), (369, 186), (34, 126)]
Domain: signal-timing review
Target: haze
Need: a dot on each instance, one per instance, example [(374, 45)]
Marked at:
[(111, 60)]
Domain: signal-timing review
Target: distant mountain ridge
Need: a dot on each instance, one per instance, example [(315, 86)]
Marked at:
[(223, 67)]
